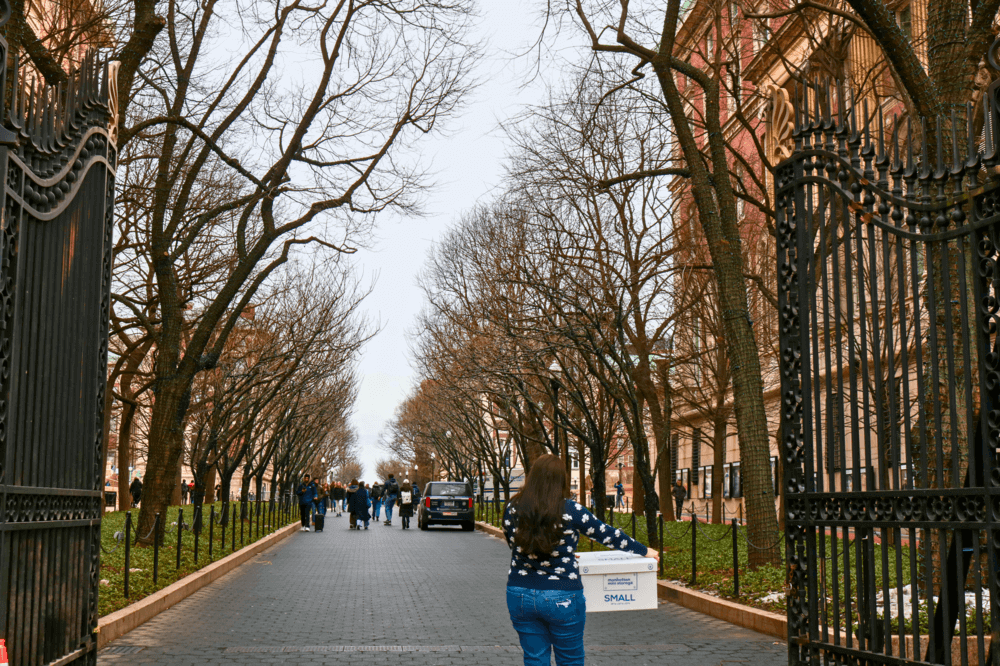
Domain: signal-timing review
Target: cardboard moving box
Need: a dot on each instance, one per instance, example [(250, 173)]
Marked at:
[(615, 581)]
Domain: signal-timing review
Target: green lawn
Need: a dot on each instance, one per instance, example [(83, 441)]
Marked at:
[(112, 593)]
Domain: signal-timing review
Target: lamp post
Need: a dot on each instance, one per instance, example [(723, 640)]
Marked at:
[(563, 445)]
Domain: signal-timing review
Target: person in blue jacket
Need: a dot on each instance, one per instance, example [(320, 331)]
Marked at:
[(306, 492), (359, 506)]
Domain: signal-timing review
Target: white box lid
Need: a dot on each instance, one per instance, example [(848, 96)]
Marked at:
[(609, 562)]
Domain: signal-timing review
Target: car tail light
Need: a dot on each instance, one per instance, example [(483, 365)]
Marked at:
[(470, 502), (427, 502)]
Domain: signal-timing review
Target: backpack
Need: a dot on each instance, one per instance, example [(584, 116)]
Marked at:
[(391, 487), (406, 497)]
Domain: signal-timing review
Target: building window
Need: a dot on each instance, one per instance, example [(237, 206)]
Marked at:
[(675, 442), (706, 486), (727, 471), (709, 46), (735, 481), (904, 19), (775, 481), (574, 462)]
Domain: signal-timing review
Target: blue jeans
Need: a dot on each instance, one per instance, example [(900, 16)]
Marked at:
[(319, 507), (390, 502), (548, 620), (376, 507)]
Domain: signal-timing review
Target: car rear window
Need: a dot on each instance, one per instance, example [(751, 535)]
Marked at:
[(449, 489)]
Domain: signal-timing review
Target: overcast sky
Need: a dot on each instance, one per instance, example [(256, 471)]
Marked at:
[(468, 165)]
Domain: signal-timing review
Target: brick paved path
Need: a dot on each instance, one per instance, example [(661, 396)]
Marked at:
[(386, 596)]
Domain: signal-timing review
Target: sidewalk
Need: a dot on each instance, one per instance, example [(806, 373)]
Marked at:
[(385, 596)]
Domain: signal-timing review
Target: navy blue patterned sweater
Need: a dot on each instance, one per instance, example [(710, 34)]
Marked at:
[(559, 570)]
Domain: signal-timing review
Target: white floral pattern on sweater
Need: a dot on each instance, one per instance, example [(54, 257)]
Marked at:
[(559, 569)]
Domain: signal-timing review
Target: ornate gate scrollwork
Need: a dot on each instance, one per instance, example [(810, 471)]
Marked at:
[(58, 156), (889, 304)]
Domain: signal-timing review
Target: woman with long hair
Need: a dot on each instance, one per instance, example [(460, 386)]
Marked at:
[(544, 590)]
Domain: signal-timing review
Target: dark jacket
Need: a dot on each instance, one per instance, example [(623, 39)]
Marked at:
[(358, 504), (406, 510), (376, 492), (679, 493), (391, 488), (619, 489), (416, 495), (135, 489), (337, 493), (349, 495), (306, 492)]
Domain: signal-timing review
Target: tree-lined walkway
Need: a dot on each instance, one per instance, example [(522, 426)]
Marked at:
[(385, 596)]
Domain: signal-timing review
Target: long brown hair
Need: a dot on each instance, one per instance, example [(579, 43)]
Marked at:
[(540, 505)]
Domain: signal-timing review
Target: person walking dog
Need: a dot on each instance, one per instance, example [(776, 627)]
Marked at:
[(390, 492), (544, 591), (680, 494), (306, 492)]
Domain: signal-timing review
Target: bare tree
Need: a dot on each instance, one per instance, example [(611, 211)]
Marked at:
[(312, 161)]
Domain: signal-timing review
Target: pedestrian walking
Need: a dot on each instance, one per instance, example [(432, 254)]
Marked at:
[(619, 495), (544, 592), (322, 495), (349, 493), (359, 506), (405, 503), (680, 494), (376, 496), (390, 493), (306, 492), (184, 492), (337, 495), (416, 495), (135, 490)]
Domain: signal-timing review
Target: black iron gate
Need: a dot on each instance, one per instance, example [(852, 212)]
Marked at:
[(889, 300), (57, 153)]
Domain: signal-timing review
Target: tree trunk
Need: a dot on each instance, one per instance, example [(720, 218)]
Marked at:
[(166, 435), (638, 495), (719, 457), (125, 451), (210, 477), (176, 497), (599, 491)]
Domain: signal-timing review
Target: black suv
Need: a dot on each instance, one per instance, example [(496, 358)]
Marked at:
[(447, 503)]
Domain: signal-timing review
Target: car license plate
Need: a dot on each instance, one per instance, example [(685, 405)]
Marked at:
[(450, 513)]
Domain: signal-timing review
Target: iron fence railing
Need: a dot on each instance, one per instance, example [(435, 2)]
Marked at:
[(229, 527)]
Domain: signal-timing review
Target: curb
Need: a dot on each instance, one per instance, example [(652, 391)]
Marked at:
[(760, 621), (117, 624), (489, 529)]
